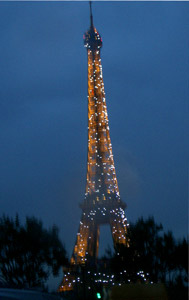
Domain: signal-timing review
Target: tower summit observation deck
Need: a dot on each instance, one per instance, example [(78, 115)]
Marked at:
[(102, 203)]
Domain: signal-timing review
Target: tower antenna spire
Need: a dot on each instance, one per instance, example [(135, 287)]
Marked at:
[(91, 15)]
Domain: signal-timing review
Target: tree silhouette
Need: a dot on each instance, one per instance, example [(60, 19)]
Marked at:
[(29, 253), (181, 261), (154, 253)]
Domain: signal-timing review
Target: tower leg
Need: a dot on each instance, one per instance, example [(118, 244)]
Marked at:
[(85, 251), (118, 224), (87, 242)]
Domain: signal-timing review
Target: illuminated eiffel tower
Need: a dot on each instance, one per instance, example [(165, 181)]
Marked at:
[(102, 203)]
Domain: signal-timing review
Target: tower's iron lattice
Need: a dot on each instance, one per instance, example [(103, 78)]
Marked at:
[(102, 203)]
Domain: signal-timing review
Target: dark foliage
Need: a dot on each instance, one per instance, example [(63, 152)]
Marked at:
[(29, 253), (157, 254)]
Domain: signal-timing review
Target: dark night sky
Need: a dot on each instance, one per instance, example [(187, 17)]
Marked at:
[(43, 108)]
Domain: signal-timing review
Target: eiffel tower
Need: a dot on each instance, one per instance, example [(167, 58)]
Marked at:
[(102, 203)]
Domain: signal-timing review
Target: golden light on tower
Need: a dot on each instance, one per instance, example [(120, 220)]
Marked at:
[(102, 203)]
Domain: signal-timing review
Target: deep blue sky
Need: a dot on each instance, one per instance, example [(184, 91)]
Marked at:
[(43, 108)]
